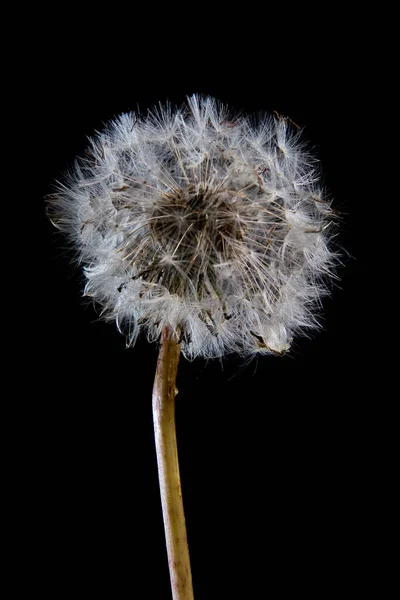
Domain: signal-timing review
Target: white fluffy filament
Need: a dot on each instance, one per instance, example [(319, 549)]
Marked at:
[(210, 225)]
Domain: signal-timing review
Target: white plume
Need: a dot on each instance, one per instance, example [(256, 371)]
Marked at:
[(207, 223)]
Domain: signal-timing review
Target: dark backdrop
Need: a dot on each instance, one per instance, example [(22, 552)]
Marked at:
[(275, 456)]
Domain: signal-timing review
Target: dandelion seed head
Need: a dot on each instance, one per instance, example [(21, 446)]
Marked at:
[(204, 222)]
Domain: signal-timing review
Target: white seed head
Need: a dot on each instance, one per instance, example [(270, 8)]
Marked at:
[(212, 225)]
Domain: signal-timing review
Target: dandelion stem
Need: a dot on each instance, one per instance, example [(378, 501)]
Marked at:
[(164, 392)]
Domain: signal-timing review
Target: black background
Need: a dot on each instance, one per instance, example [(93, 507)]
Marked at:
[(276, 456)]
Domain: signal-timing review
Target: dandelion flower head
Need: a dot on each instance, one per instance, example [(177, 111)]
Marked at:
[(210, 224)]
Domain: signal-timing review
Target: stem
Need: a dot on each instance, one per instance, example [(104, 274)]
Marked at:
[(164, 392)]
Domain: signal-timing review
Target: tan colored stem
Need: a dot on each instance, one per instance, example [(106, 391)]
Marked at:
[(164, 392)]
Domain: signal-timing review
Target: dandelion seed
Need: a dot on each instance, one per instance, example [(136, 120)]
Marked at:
[(206, 189)]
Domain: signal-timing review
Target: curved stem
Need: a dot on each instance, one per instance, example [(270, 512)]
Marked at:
[(164, 392)]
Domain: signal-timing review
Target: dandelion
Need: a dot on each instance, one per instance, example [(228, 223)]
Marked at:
[(210, 233)]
